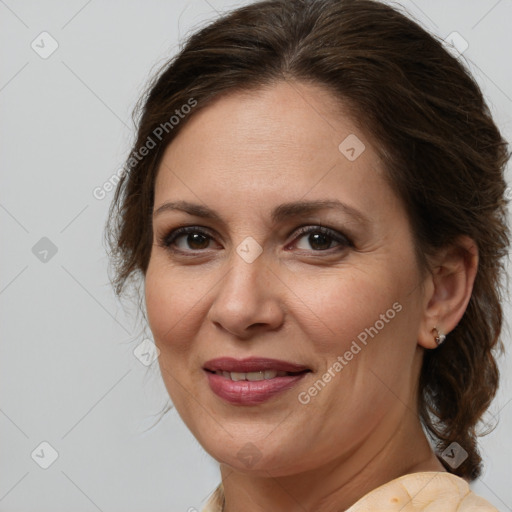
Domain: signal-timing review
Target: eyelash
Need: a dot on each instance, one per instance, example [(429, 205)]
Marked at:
[(167, 240)]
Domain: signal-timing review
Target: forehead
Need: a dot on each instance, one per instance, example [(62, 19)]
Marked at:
[(282, 142)]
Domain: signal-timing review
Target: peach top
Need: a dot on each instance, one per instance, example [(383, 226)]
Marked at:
[(417, 492)]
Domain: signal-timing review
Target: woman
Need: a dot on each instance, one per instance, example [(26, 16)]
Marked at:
[(315, 205)]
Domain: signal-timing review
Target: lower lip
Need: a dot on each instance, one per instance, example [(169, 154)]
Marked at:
[(244, 392)]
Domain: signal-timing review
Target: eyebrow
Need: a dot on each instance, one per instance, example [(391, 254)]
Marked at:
[(279, 213)]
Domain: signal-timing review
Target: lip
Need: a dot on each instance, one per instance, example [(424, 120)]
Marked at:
[(252, 364), (245, 392)]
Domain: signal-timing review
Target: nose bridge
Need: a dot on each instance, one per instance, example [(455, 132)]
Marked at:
[(246, 296), (248, 266), (244, 283)]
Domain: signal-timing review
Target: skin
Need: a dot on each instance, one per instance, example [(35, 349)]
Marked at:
[(299, 301)]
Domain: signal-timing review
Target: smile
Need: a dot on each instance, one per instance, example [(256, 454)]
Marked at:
[(251, 381)]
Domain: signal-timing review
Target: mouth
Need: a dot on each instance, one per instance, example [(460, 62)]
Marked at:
[(255, 376), (253, 365), (251, 381)]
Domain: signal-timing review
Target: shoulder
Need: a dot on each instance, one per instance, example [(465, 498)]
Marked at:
[(418, 492)]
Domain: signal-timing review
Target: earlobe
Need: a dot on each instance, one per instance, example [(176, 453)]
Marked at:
[(439, 337), (452, 279)]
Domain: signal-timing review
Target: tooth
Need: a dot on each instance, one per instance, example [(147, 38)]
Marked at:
[(252, 376)]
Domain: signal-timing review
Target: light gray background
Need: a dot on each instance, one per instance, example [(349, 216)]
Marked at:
[(68, 374)]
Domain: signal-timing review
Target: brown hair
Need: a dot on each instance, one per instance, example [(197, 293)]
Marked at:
[(443, 153)]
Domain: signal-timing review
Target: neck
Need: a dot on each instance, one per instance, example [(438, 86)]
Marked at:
[(385, 454)]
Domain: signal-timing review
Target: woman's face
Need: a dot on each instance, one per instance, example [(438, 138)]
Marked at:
[(297, 256)]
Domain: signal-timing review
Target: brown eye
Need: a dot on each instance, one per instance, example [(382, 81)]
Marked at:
[(319, 241), (187, 239), (319, 238), (195, 241)]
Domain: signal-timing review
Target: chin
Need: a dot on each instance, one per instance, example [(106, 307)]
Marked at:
[(255, 458)]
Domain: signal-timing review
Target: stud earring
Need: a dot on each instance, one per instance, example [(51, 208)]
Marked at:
[(439, 337)]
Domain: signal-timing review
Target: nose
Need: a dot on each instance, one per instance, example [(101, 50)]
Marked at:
[(248, 299)]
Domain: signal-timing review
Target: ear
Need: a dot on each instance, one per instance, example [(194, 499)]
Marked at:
[(448, 289)]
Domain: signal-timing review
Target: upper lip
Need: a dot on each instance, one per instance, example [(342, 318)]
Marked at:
[(252, 364)]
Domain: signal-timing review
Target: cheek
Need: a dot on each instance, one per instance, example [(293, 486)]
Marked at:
[(172, 302), (172, 311), (343, 307), (160, 303), (368, 317)]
